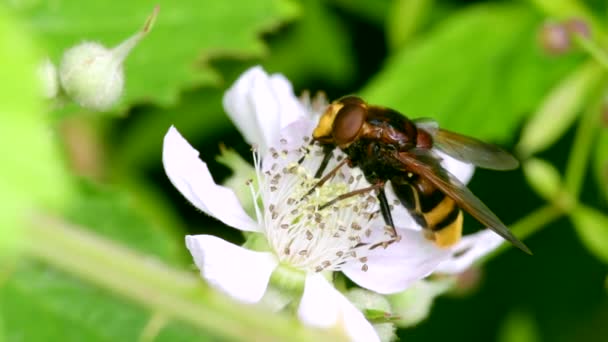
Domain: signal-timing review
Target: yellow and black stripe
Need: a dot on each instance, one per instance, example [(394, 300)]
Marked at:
[(437, 213)]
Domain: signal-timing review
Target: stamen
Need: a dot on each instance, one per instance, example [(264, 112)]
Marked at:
[(305, 234)]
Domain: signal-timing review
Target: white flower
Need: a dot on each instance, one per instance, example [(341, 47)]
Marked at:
[(348, 236)]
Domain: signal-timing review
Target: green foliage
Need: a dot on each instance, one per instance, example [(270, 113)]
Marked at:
[(479, 73), (176, 54), (113, 265), (373, 11), (322, 45), (405, 18), (198, 114), (560, 108), (519, 327), (592, 228), (68, 308), (62, 307), (543, 177), (109, 211), (32, 173)]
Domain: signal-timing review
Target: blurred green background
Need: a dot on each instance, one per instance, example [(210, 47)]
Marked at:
[(481, 68)]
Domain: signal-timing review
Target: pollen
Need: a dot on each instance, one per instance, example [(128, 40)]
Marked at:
[(300, 215)]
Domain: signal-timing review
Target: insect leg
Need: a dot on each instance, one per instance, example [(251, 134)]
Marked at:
[(385, 209), (351, 194), (327, 154)]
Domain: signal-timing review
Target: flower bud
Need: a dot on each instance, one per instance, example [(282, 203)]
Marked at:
[(554, 38), (92, 75), (577, 26), (47, 73)]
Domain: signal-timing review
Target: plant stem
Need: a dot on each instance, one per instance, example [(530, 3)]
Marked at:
[(598, 54), (156, 286), (529, 225), (583, 143)]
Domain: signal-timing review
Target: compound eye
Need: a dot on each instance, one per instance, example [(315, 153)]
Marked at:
[(348, 123)]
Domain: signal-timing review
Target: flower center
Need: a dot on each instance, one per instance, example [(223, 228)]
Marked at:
[(304, 232)]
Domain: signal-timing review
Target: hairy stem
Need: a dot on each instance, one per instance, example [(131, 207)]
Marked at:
[(156, 286)]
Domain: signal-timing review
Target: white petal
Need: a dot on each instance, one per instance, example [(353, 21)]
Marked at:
[(267, 111), (398, 266), (260, 105), (470, 248), (191, 177), (463, 171), (291, 139), (292, 108), (238, 108), (323, 306), (239, 272)]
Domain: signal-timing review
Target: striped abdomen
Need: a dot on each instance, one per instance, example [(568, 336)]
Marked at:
[(437, 213)]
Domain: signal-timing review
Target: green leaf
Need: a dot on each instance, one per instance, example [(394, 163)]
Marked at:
[(67, 308), (113, 214), (479, 73), (405, 17), (63, 308), (32, 176), (372, 11), (317, 46), (560, 108), (592, 228), (519, 327), (176, 54), (199, 114), (543, 177)]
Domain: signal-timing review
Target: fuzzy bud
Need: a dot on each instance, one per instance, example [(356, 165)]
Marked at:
[(92, 75), (554, 38), (579, 27), (47, 73)]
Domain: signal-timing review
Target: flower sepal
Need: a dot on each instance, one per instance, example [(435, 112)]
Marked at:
[(413, 305), (377, 310), (288, 279)]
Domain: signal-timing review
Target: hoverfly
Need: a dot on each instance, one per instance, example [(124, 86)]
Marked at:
[(387, 146)]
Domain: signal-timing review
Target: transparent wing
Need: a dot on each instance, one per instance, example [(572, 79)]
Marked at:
[(467, 149), (423, 162)]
